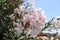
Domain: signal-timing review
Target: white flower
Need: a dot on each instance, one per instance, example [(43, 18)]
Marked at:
[(18, 30), (22, 8), (56, 22), (31, 1)]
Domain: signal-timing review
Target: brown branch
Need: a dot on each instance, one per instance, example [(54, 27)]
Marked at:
[(39, 35)]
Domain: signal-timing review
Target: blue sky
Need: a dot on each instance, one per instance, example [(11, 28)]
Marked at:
[(51, 7)]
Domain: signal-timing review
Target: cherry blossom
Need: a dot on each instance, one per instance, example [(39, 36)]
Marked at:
[(32, 17)]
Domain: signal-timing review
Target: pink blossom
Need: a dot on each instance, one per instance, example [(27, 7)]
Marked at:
[(28, 31), (17, 25), (17, 10), (12, 17), (33, 16)]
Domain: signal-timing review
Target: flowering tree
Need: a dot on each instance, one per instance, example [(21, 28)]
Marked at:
[(27, 19), (23, 22)]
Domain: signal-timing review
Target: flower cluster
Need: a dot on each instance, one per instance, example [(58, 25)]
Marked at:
[(56, 22), (29, 19)]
